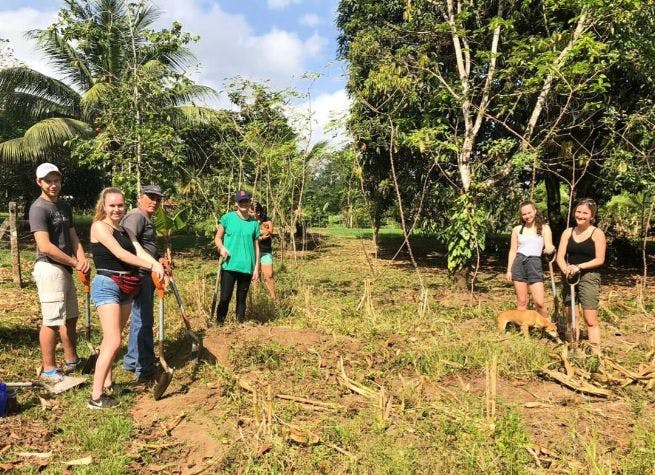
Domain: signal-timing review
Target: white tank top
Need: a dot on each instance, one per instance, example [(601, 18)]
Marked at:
[(530, 244)]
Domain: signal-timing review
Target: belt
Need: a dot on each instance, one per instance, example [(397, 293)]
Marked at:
[(109, 272)]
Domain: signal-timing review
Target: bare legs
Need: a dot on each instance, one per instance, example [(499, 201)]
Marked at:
[(48, 342), (113, 318), (593, 329), (536, 290), (267, 274)]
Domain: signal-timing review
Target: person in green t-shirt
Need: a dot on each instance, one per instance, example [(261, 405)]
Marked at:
[(238, 246)]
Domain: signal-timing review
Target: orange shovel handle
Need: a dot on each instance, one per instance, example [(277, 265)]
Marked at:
[(159, 284), (85, 279)]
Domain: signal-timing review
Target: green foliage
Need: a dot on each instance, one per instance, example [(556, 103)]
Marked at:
[(465, 233)]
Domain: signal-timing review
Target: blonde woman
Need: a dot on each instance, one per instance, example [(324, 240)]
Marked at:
[(582, 252), (117, 257), (529, 241)]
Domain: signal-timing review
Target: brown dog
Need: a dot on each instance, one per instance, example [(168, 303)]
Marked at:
[(526, 319)]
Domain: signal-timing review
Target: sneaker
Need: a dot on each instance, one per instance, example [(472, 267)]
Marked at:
[(104, 402), (52, 376), (69, 367)]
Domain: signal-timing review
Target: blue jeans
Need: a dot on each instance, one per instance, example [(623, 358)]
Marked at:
[(140, 356)]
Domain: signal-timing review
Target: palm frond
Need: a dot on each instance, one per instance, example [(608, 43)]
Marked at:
[(194, 92), (41, 138), (64, 57), (93, 98), (26, 92), (183, 116)]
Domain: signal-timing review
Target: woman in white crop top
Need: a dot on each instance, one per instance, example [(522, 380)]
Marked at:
[(529, 240)]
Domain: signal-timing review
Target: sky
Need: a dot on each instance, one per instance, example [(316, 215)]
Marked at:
[(278, 42)]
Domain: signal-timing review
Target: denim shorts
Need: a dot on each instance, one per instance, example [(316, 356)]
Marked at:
[(527, 269), (105, 291), (266, 258)]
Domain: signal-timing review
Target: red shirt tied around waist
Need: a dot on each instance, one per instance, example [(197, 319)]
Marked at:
[(581, 253), (113, 286)]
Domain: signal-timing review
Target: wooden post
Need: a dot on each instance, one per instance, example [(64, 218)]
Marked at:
[(15, 251)]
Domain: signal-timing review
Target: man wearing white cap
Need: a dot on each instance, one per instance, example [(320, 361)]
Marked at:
[(58, 252)]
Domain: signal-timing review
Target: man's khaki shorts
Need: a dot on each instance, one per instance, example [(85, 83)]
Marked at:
[(587, 292), (56, 293)]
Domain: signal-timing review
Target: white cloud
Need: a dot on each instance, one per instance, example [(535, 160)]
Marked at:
[(279, 4), (310, 19), (322, 118), (15, 24), (228, 47), (315, 44)]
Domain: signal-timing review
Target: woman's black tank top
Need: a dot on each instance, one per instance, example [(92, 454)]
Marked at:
[(579, 252), (104, 259)]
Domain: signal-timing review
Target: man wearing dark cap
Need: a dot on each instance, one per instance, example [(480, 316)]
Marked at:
[(237, 244), (140, 357), (58, 252)]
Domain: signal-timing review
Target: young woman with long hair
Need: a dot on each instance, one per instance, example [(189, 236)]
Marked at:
[(529, 241), (116, 256)]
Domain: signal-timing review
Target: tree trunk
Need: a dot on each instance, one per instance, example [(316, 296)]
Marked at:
[(555, 218)]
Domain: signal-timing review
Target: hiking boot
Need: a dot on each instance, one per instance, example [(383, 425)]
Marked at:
[(70, 367), (52, 376), (103, 402)]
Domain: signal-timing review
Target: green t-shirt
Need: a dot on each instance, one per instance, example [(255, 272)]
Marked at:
[(239, 240)]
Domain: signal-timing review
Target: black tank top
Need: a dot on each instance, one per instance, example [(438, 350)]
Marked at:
[(104, 259), (579, 252)]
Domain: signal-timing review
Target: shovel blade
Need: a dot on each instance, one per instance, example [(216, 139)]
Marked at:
[(163, 381), (90, 363), (69, 382)]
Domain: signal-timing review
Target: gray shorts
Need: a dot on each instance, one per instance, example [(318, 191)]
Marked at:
[(587, 292), (527, 269)]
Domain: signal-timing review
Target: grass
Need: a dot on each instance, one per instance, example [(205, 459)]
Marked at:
[(426, 353)]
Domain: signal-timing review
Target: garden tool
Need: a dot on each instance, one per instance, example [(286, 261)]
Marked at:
[(166, 375), (196, 342), (90, 363), (573, 330), (217, 289), (68, 382), (556, 316)]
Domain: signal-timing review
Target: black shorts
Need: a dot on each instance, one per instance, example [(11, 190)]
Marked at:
[(527, 269)]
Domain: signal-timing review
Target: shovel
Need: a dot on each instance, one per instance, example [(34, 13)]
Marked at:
[(69, 382), (196, 342), (572, 330), (556, 315), (90, 363), (167, 373), (217, 289)]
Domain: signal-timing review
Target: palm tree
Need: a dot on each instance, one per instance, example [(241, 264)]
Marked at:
[(95, 45)]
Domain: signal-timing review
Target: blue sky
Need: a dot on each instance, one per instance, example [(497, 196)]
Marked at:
[(264, 40)]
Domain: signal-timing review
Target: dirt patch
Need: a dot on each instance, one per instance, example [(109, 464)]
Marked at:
[(183, 419), (189, 417)]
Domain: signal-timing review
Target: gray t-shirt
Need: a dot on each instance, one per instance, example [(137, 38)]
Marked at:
[(56, 219), (137, 223)]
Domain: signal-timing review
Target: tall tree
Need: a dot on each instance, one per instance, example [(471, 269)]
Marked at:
[(101, 49)]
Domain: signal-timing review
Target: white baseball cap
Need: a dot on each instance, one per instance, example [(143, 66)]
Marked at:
[(45, 168)]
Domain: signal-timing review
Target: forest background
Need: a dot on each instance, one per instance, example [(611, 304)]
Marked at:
[(459, 111)]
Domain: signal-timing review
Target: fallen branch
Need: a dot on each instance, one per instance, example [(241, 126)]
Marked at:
[(311, 402), (580, 386)]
